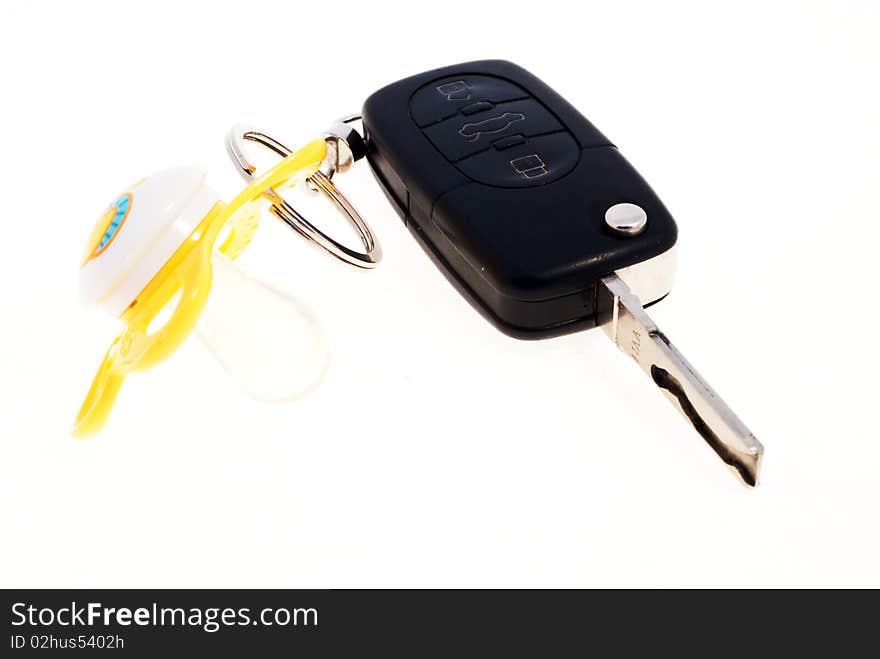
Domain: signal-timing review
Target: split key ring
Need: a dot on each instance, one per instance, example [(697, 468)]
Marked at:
[(340, 156)]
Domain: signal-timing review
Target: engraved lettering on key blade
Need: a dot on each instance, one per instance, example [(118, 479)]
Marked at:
[(473, 131), (455, 91), (530, 166), (635, 344), (632, 330)]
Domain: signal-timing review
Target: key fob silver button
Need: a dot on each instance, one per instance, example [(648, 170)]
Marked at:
[(626, 219)]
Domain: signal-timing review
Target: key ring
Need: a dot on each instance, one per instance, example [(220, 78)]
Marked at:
[(340, 157)]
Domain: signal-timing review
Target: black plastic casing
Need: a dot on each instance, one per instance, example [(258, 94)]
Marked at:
[(505, 185)]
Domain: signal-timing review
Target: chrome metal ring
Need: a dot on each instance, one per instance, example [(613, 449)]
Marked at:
[(320, 181)]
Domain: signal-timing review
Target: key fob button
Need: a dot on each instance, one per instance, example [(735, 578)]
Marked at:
[(445, 97), (536, 161), (476, 107), (507, 142), (463, 136)]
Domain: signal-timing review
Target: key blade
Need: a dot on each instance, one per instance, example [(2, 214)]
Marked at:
[(632, 330)]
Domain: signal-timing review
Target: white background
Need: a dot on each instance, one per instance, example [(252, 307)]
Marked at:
[(439, 452)]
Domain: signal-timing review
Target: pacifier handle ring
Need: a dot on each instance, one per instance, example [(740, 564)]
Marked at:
[(282, 209)]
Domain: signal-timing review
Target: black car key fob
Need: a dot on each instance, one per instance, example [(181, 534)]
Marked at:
[(506, 186), (540, 222)]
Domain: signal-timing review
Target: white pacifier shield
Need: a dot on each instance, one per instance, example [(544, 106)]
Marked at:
[(164, 209)]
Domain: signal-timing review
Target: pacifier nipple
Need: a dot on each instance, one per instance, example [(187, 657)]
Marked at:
[(270, 343)]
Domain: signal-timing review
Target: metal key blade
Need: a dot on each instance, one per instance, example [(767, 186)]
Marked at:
[(633, 331)]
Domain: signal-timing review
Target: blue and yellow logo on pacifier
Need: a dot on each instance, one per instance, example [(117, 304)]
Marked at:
[(108, 227)]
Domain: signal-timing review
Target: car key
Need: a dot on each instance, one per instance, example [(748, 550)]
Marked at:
[(539, 222)]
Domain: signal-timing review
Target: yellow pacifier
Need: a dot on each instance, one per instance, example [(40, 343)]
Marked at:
[(151, 261)]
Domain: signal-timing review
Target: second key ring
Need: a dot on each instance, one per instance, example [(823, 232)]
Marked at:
[(372, 254)]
